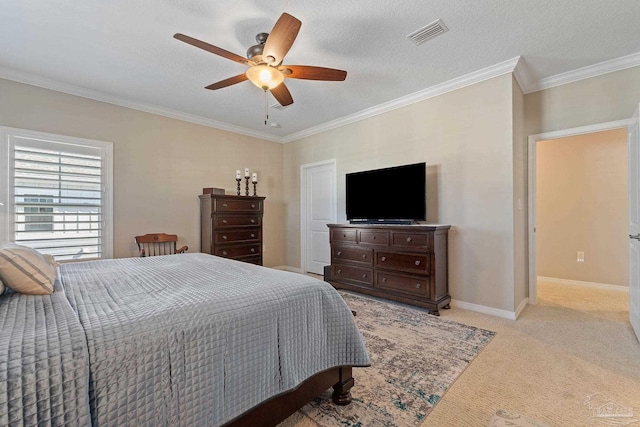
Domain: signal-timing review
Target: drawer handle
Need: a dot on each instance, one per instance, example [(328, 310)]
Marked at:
[(374, 237), (252, 205), (224, 252), (339, 253), (417, 262), (253, 221), (224, 205), (409, 239), (253, 235), (344, 235), (384, 280), (339, 271), (364, 276), (417, 285), (364, 256), (224, 221), (253, 249), (224, 237), (383, 259)]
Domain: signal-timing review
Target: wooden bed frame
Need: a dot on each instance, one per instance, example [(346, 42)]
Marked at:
[(277, 409)]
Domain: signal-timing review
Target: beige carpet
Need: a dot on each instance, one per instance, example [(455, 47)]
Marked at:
[(576, 342)]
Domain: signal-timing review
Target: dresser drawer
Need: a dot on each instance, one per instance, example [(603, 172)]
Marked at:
[(225, 221), (373, 237), (238, 251), (343, 235), (351, 254), (231, 236), (347, 273), (237, 205), (418, 263), (411, 240), (399, 283)]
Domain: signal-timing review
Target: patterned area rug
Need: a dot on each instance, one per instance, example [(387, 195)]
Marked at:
[(415, 357)]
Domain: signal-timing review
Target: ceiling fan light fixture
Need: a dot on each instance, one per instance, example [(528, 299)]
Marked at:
[(264, 76)]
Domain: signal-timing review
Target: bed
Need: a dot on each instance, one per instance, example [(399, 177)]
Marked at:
[(178, 340)]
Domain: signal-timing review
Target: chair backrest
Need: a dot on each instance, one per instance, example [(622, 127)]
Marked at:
[(158, 244)]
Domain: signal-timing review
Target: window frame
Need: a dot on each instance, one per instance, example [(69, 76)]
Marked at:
[(8, 138)]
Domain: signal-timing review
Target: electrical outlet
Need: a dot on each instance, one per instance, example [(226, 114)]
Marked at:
[(580, 256)]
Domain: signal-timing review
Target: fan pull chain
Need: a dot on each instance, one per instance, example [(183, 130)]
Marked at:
[(266, 109)]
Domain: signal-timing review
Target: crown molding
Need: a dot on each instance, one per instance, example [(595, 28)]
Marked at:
[(433, 91), (594, 70), (523, 76), (50, 84)]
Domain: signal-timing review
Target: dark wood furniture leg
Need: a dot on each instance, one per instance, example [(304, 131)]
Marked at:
[(342, 389)]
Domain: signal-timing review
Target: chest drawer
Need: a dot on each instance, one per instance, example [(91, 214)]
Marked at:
[(347, 273), (224, 221), (237, 205), (238, 251), (373, 237), (351, 254), (411, 240), (237, 236), (399, 283), (343, 235), (418, 263)]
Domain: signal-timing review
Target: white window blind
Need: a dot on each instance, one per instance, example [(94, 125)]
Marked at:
[(59, 196)]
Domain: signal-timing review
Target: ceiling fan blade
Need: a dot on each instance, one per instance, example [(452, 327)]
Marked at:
[(281, 39), (210, 48), (282, 95), (308, 72), (227, 82)]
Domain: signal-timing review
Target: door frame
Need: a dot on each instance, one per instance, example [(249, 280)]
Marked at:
[(303, 205), (531, 195)]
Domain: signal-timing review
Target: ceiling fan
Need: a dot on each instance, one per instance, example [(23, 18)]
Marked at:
[(265, 61)]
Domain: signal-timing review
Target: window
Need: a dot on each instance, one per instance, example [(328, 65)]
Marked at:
[(56, 194)]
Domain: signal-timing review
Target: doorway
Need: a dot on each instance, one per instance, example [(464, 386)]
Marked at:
[(572, 259), (318, 203)]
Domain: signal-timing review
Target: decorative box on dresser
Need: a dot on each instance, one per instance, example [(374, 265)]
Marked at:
[(405, 263), (231, 226)]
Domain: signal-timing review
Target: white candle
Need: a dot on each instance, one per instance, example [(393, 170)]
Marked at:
[(246, 173), (254, 177), (238, 174)]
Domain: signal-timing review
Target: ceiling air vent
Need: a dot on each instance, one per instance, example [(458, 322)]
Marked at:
[(428, 32), (277, 106)]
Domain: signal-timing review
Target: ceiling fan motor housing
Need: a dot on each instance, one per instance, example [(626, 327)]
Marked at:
[(256, 50)]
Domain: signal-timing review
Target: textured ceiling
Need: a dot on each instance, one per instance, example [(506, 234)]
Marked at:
[(123, 49)]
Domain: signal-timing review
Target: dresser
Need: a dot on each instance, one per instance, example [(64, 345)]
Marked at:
[(231, 226), (405, 263)]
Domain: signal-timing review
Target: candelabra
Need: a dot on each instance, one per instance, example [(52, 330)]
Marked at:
[(246, 188), (254, 188), (238, 181)]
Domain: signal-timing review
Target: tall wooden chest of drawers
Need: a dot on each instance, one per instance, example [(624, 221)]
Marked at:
[(405, 263), (231, 226)]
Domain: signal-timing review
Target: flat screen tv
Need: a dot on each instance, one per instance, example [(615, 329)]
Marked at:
[(391, 195)]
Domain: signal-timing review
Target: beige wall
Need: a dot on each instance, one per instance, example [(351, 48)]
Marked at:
[(466, 139), (582, 205), (601, 99), (520, 236), (160, 164)]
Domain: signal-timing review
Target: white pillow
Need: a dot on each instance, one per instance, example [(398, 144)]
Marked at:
[(26, 270)]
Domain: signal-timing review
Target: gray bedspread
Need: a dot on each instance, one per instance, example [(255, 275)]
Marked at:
[(44, 363), (196, 340)]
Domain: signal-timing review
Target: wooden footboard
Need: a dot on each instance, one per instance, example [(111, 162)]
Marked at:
[(275, 410)]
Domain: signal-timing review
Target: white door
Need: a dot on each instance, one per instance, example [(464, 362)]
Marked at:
[(319, 197), (634, 224)]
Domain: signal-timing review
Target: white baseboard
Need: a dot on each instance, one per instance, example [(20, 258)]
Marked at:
[(521, 307), (505, 314), (592, 285)]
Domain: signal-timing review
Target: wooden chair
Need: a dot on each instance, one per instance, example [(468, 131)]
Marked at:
[(159, 244)]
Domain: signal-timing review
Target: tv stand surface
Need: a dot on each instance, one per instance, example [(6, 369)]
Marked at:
[(405, 263), (382, 221)]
